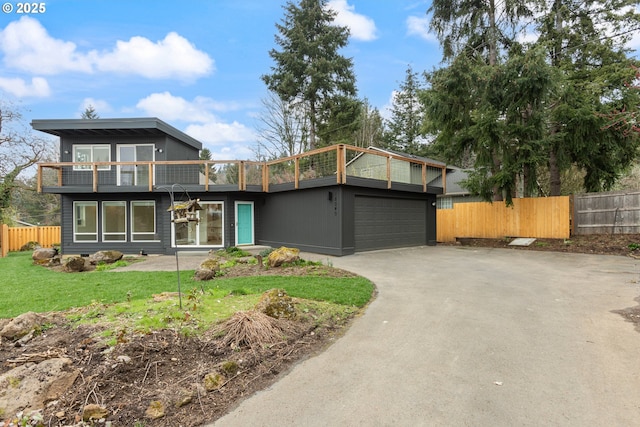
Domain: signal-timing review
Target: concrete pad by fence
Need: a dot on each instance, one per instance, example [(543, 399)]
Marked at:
[(472, 337)]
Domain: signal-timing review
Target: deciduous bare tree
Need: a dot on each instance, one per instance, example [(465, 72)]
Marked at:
[(20, 150)]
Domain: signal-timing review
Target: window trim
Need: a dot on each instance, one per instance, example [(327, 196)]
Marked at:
[(104, 204), (132, 218), (75, 221), (74, 149)]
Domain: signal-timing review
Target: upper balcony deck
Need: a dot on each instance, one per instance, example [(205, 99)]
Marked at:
[(338, 164)]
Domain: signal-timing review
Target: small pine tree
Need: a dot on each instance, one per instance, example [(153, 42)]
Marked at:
[(90, 113)]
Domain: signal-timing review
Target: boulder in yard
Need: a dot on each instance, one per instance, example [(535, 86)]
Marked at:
[(208, 270), (277, 304), (283, 255), (43, 254), (30, 246), (22, 325), (74, 264), (107, 257), (31, 385)]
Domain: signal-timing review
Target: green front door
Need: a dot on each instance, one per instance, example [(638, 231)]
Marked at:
[(244, 223)]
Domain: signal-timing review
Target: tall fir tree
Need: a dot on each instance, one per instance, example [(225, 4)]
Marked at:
[(521, 101), (309, 68), (586, 42), (404, 127)]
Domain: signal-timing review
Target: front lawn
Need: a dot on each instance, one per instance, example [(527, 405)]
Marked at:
[(26, 287)]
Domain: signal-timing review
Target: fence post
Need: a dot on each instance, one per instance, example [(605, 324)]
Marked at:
[(4, 240)]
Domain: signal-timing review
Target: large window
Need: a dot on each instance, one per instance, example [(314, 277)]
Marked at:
[(91, 153), (114, 221), (207, 231), (85, 221), (143, 220), (134, 174)]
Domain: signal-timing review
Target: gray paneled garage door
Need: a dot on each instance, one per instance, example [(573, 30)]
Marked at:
[(389, 223)]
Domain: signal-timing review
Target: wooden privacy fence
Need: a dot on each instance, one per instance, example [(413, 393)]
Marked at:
[(542, 217), (607, 213), (13, 238)]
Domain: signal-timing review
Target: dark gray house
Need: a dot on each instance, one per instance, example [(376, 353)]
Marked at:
[(119, 180)]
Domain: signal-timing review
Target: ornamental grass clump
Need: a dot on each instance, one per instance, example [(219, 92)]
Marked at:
[(250, 329)]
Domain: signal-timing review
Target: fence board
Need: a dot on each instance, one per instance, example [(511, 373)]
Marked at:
[(607, 213), (13, 238), (542, 217)]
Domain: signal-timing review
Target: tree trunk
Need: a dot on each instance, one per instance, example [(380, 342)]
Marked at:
[(312, 125), (554, 172), (497, 192)]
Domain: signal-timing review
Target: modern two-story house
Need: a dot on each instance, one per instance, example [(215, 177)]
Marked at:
[(130, 184)]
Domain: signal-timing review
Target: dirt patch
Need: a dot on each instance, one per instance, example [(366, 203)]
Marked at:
[(184, 381), (601, 244)]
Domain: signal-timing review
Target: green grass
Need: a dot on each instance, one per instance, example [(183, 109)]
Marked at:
[(27, 287)]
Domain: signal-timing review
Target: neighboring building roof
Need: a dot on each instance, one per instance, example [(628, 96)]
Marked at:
[(113, 127), (455, 177)]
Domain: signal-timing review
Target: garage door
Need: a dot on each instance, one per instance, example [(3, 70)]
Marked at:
[(389, 223)]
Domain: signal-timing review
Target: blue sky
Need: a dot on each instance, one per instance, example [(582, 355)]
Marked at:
[(194, 64)]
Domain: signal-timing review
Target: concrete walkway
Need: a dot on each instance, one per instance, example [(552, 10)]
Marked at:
[(472, 337)]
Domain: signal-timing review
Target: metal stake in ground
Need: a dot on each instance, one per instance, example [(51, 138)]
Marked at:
[(183, 212)]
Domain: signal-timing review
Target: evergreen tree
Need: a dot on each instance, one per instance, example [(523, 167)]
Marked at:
[(586, 43), (404, 128), (308, 68), (515, 109), (370, 130), (90, 113)]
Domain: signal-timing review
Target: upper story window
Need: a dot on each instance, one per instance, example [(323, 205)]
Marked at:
[(91, 153)]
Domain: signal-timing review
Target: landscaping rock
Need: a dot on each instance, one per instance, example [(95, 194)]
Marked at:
[(282, 255), (22, 325), (277, 304), (93, 412), (213, 381), (74, 264), (29, 246), (203, 275), (107, 257), (207, 270), (30, 386), (155, 410), (184, 398), (44, 254)]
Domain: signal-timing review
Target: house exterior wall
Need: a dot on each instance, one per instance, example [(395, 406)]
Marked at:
[(323, 220), (166, 148), (160, 244), (308, 219)]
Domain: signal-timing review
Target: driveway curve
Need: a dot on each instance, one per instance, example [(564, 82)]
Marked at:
[(472, 337)]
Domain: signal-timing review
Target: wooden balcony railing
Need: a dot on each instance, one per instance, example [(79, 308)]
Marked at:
[(338, 163)]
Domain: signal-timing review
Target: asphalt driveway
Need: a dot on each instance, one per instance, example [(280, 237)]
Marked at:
[(472, 337)]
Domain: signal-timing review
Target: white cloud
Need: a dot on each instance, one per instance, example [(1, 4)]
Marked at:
[(173, 108), (419, 26), (219, 133), (38, 88), (361, 27), (27, 46), (227, 141), (101, 106), (172, 57)]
